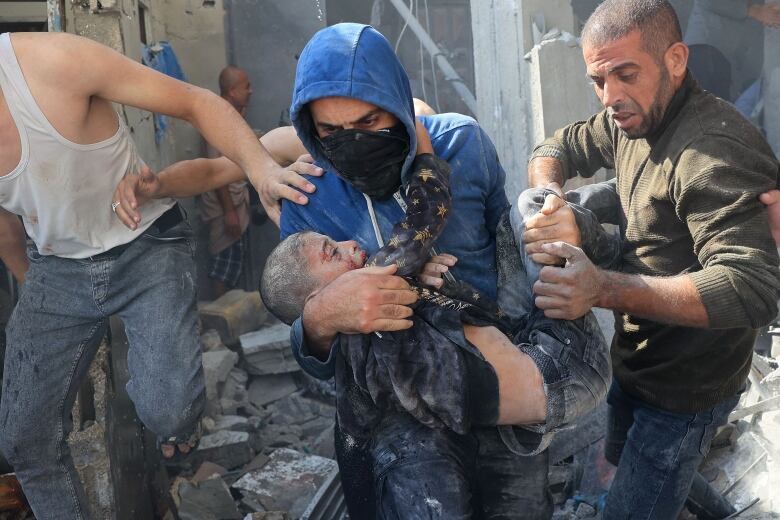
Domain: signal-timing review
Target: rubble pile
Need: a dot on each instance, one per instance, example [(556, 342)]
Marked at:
[(267, 445)]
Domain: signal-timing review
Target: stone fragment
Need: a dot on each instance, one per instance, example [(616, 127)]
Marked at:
[(206, 471), (288, 481), (585, 511), (270, 388), (269, 515), (267, 351), (210, 340), (235, 423), (233, 314), (217, 364), (208, 500), (226, 448)]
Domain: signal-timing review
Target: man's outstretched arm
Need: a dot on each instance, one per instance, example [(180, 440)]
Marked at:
[(101, 72)]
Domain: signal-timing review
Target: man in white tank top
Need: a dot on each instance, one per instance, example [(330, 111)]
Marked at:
[(63, 149)]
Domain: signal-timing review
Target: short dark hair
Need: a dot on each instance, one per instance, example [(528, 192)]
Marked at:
[(287, 281), (614, 19), (229, 77)]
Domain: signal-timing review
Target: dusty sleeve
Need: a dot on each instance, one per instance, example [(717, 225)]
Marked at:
[(583, 147), (715, 189)]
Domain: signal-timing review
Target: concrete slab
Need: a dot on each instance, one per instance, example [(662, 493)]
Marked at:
[(233, 314), (226, 448), (209, 500), (270, 388), (288, 481), (267, 351)]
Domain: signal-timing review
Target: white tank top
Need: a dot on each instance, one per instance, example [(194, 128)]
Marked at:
[(62, 189)]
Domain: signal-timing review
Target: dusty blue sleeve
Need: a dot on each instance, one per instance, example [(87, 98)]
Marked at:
[(310, 364), (496, 203)]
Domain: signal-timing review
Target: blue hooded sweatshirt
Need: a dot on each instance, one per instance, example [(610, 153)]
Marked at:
[(356, 61)]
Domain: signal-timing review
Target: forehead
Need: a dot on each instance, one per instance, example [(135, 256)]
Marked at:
[(601, 58), (339, 108)]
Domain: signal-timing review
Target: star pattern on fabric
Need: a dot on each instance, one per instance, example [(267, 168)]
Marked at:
[(405, 225), (415, 201), (441, 210), (423, 234), (475, 296), (425, 174)]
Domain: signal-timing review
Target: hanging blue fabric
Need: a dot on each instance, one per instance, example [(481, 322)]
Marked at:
[(160, 57)]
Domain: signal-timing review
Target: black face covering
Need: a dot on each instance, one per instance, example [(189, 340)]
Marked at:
[(370, 161)]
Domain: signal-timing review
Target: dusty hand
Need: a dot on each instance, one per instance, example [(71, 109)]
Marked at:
[(360, 301), (568, 292), (280, 183), (232, 225), (432, 272), (555, 222), (772, 201), (135, 189), (768, 14)]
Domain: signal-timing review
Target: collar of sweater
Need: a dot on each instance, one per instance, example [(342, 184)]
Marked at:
[(675, 105)]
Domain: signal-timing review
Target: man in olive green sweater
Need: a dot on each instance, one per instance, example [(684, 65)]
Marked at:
[(700, 267)]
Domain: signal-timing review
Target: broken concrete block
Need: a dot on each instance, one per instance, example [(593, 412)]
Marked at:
[(269, 515), (270, 388), (233, 314), (206, 471), (235, 423), (235, 385), (287, 482), (208, 500), (226, 448), (217, 364), (210, 340), (267, 351)]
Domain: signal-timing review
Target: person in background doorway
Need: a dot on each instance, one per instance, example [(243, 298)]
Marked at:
[(226, 209)]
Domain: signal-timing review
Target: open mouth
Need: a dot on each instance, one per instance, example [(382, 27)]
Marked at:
[(358, 258)]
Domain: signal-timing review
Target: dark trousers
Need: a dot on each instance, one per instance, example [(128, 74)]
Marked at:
[(657, 454)]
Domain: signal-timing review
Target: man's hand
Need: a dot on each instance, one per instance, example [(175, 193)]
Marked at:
[(768, 14), (432, 272), (555, 222), (135, 190), (361, 301), (280, 183), (569, 292), (772, 201)]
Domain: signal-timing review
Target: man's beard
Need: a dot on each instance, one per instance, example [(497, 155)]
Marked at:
[(651, 119)]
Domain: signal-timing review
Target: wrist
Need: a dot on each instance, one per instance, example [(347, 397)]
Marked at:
[(318, 335), (605, 289)]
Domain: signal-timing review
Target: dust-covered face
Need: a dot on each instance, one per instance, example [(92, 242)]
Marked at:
[(328, 259), (632, 85)]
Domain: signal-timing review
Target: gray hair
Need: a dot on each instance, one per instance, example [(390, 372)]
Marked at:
[(614, 19), (287, 281)]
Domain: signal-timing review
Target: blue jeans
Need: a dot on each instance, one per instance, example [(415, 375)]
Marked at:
[(54, 333), (422, 472), (657, 454)]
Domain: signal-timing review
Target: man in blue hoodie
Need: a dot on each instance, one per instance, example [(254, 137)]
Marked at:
[(352, 109)]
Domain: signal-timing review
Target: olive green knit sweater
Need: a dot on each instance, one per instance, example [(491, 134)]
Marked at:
[(689, 198)]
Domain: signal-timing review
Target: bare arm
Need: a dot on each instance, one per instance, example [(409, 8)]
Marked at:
[(12, 245), (100, 72)]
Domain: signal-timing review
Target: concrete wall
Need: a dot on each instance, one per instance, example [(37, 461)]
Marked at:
[(771, 88), (265, 39), (503, 107), (196, 30)]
